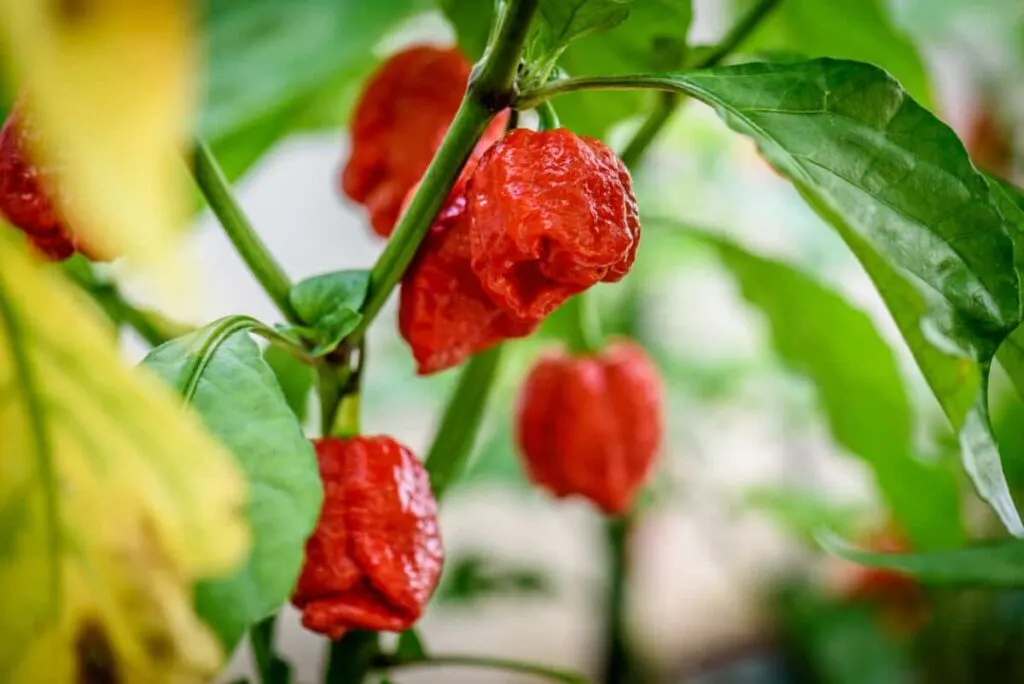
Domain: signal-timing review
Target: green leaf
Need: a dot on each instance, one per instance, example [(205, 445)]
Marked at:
[(473, 577), (997, 564), (559, 22), (860, 30), (222, 376), (268, 61), (652, 38), (838, 643), (113, 500), (271, 667), (897, 185), (329, 304), (496, 461), (460, 423), (1010, 202), (819, 335), (471, 20), (295, 378), (410, 646)]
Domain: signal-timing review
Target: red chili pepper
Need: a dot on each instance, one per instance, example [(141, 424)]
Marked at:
[(551, 213), (443, 313), (24, 200), (989, 141), (398, 124), (375, 556), (591, 425)]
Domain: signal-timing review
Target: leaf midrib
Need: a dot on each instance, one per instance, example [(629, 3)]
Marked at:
[(798, 161), (24, 377)]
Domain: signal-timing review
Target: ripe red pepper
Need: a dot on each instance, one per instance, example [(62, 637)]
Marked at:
[(24, 199), (551, 213), (398, 124), (591, 425), (879, 584), (989, 141), (443, 313), (899, 597), (375, 556)]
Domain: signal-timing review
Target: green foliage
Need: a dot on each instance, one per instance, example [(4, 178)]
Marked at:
[(295, 378), (471, 20), (996, 564), (860, 30), (818, 334), (837, 643), (602, 37), (559, 22), (329, 305), (897, 185), (472, 577), (1010, 202), (270, 64), (221, 375), (271, 667), (457, 432), (410, 646), (653, 37)]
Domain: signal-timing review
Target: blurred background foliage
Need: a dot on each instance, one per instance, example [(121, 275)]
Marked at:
[(749, 303)]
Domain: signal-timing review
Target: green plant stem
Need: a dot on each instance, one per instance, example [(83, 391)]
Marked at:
[(548, 117), (468, 125), (339, 386), (491, 89), (734, 38), (740, 31), (619, 665), (585, 334), (652, 125), (668, 103), (493, 79), (217, 190), (270, 668), (150, 325), (351, 658), (460, 422), (552, 673)]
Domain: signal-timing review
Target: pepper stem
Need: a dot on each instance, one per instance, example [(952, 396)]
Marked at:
[(217, 191), (548, 116), (585, 336)]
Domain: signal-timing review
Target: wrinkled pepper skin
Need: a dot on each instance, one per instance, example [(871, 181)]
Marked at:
[(591, 425), (398, 124), (551, 214), (24, 200), (443, 313), (375, 556)]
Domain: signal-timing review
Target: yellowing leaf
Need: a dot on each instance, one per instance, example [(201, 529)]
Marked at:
[(113, 501), (108, 86)]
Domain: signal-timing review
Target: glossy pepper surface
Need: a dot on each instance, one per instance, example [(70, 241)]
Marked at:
[(24, 198), (591, 425), (443, 312), (376, 555), (398, 124), (551, 213)]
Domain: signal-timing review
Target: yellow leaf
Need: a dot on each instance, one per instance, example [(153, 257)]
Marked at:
[(113, 500), (108, 86)]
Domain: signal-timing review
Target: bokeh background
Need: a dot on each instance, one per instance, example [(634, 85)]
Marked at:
[(750, 468)]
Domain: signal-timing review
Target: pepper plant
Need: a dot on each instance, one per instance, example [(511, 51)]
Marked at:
[(143, 542)]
